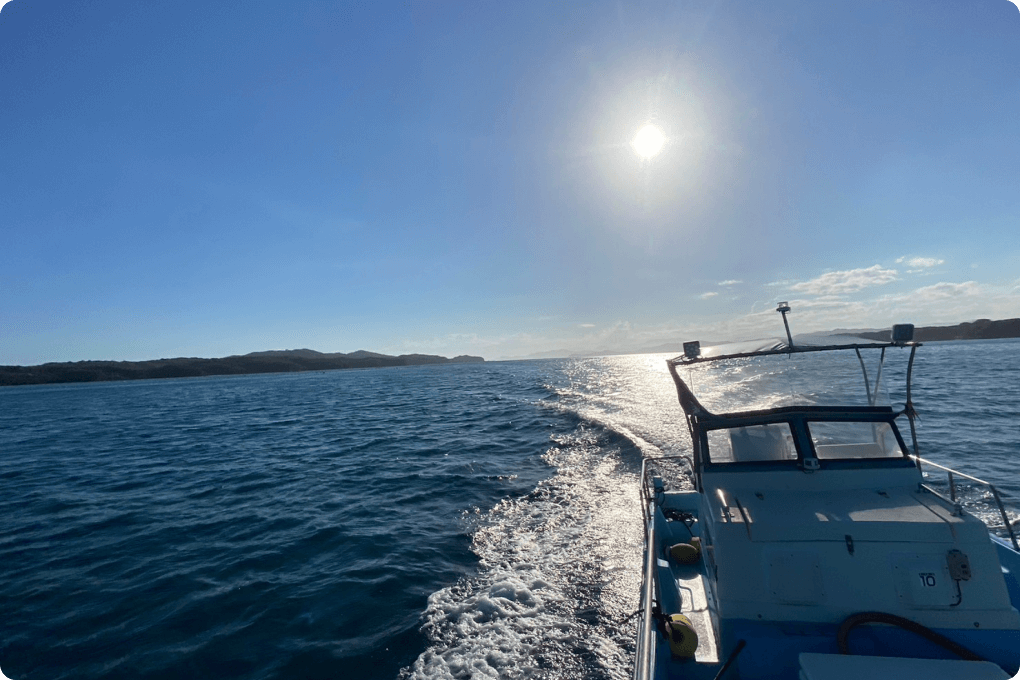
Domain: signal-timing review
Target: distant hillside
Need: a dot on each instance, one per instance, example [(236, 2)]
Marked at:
[(982, 329), (275, 361)]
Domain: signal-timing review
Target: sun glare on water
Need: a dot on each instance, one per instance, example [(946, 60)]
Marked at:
[(648, 141)]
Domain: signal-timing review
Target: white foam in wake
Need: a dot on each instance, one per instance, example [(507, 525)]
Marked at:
[(559, 570)]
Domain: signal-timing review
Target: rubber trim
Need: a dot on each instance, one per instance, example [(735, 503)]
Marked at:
[(881, 617)]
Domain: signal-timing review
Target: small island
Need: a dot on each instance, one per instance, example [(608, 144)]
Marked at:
[(275, 361)]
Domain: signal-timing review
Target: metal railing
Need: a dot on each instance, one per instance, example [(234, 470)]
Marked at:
[(645, 652), (958, 508), (647, 497), (646, 641)]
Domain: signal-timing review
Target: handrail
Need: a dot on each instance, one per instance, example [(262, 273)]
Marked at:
[(952, 493), (643, 653), (957, 508), (645, 497), (646, 643)]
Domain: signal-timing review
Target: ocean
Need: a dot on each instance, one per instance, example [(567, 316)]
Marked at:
[(459, 521)]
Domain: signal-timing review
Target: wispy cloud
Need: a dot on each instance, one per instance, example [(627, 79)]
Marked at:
[(709, 294), (730, 282), (946, 291), (945, 302), (919, 264), (847, 281), (920, 261), (940, 303)]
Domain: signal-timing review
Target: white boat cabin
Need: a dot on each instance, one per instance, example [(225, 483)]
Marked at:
[(819, 536)]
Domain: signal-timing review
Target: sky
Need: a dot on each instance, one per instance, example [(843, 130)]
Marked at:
[(208, 179)]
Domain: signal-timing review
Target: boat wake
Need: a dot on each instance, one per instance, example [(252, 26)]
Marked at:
[(556, 576)]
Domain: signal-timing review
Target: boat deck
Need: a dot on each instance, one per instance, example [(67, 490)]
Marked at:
[(685, 588), (692, 597)]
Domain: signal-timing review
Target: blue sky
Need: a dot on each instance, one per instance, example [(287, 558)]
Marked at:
[(206, 179)]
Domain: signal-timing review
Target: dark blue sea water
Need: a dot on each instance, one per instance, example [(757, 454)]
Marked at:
[(430, 522)]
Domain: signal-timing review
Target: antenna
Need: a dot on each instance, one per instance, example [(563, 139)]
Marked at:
[(783, 308)]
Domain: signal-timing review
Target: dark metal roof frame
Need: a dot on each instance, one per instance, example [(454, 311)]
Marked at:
[(799, 349)]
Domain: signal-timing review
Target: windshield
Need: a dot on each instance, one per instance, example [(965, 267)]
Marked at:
[(810, 379), (752, 443), (854, 440), (830, 440)]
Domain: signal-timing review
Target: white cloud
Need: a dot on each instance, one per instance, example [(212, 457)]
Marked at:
[(945, 302), (937, 304), (946, 291), (709, 294), (848, 281), (919, 264), (730, 282)]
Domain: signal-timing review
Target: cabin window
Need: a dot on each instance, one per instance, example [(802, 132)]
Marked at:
[(834, 440), (752, 444)]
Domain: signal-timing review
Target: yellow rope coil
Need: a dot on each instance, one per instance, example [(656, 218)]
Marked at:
[(683, 639)]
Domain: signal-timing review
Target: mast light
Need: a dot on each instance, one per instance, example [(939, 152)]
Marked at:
[(783, 308)]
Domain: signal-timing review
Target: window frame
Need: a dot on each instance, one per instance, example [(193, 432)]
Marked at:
[(797, 418)]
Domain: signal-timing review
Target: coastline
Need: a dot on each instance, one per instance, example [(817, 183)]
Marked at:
[(283, 361), (982, 329)]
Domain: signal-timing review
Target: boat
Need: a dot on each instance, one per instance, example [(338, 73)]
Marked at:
[(816, 543)]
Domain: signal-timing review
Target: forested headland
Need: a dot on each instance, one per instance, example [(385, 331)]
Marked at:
[(982, 329), (276, 361)]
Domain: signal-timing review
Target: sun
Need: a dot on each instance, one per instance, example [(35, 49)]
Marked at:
[(648, 141)]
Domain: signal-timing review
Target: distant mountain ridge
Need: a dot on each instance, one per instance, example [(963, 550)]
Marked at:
[(982, 329), (272, 361), (312, 354)]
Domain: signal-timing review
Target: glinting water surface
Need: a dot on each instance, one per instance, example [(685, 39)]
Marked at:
[(463, 521)]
